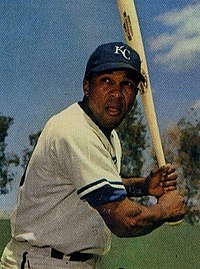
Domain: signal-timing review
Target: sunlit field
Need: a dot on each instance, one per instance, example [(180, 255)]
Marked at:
[(169, 247)]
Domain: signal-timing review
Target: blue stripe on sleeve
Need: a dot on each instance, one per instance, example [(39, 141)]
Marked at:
[(104, 195)]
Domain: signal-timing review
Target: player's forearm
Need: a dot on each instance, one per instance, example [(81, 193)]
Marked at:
[(142, 223), (136, 186), (126, 218), (129, 219)]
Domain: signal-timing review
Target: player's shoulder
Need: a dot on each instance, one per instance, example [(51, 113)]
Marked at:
[(68, 121), (70, 116)]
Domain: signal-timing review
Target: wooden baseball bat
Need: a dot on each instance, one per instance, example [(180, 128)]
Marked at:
[(133, 37)]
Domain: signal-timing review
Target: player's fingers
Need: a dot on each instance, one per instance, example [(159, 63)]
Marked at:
[(170, 188), (172, 176), (170, 168), (169, 183), (163, 170)]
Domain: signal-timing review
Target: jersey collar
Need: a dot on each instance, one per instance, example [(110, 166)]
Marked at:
[(87, 110)]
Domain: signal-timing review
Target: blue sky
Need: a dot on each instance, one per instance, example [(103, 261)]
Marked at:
[(45, 44)]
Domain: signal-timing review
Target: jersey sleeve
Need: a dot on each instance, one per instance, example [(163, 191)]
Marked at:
[(91, 165)]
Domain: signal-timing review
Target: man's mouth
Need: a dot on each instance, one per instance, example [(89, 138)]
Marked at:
[(114, 110)]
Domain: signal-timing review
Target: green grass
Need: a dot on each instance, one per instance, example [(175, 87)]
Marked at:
[(169, 247), (4, 233)]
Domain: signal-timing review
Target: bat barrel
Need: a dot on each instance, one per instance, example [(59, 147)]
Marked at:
[(133, 38)]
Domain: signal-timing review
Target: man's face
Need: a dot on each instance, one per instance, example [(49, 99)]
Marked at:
[(110, 96)]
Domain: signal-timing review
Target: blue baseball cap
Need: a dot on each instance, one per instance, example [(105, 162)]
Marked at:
[(114, 56)]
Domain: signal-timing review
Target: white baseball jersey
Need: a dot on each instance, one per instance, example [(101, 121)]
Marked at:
[(73, 167)]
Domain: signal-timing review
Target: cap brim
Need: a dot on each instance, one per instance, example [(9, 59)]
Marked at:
[(115, 66)]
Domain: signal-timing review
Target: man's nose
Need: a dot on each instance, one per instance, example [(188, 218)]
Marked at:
[(116, 92)]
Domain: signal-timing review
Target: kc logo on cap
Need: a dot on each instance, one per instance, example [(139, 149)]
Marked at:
[(125, 52), (114, 56)]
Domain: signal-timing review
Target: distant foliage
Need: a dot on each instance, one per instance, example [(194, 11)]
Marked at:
[(33, 138), (189, 154), (6, 159), (132, 134), (182, 147)]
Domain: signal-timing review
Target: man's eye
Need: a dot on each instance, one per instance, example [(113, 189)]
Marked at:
[(106, 80), (129, 84)]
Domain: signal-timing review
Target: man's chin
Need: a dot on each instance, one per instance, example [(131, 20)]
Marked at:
[(112, 124)]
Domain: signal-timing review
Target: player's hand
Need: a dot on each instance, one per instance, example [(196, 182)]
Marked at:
[(162, 180), (172, 206)]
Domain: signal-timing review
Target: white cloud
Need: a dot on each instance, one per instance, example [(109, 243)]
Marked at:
[(179, 48), (196, 104)]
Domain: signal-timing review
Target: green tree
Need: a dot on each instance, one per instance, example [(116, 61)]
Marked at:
[(6, 159), (132, 134), (189, 154), (182, 147), (33, 138)]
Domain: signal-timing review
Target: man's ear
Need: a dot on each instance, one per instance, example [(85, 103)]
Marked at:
[(86, 87)]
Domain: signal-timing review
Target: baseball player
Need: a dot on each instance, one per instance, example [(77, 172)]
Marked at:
[(72, 197)]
